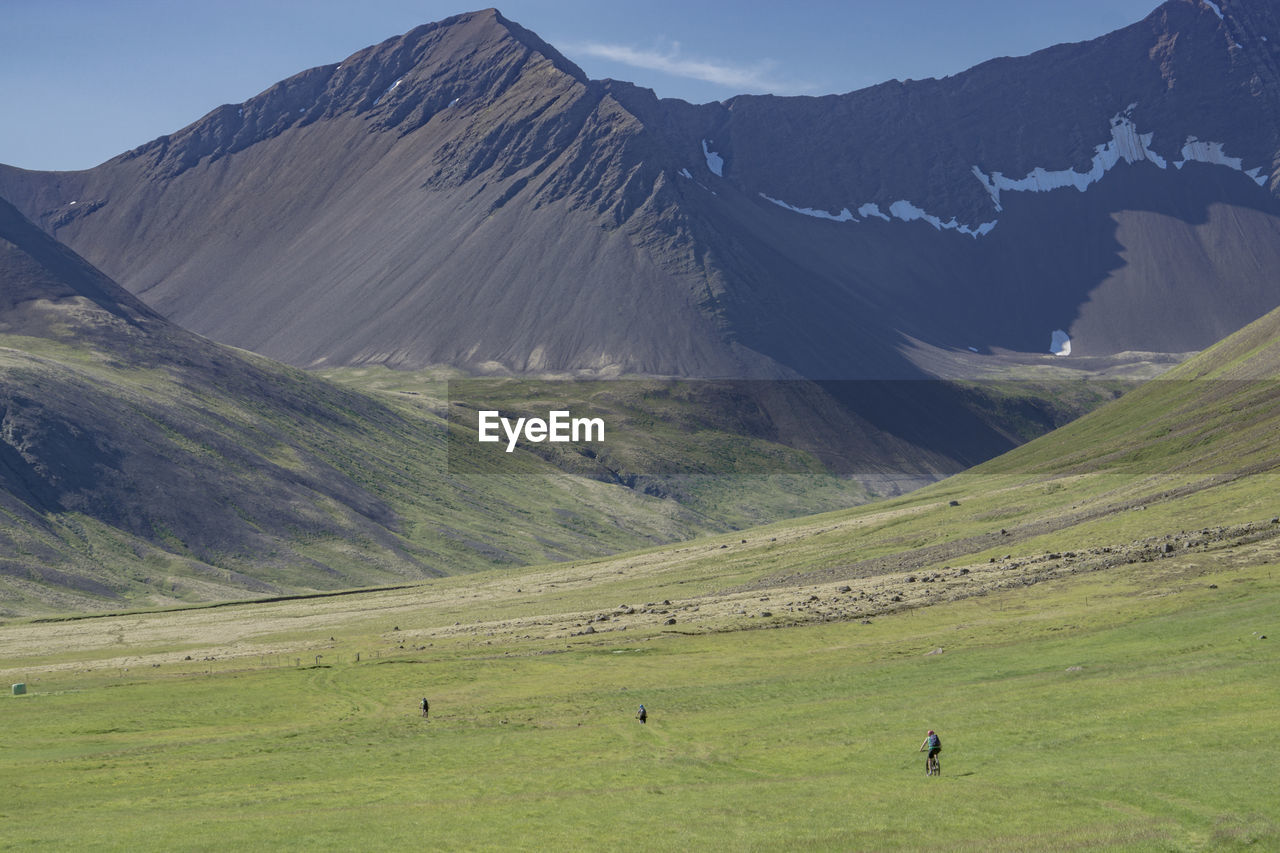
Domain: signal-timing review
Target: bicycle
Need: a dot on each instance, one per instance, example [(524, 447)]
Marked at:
[(932, 766)]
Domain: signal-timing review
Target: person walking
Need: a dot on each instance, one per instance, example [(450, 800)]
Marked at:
[(426, 707), (642, 715)]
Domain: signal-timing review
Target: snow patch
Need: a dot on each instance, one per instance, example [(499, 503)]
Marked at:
[(843, 216), (902, 210), (714, 161), (908, 212), (390, 89), (870, 209), (685, 173), (454, 102), (1061, 343), (1195, 151), (1214, 6), (1126, 144)]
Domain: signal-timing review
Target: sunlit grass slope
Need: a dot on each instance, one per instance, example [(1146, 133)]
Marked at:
[(199, 473), (1122, 710)]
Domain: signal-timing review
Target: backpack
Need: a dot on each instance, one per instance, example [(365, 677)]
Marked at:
[(935, 742)]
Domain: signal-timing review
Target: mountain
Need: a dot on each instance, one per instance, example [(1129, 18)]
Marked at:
[(142, 465), (464, 195)]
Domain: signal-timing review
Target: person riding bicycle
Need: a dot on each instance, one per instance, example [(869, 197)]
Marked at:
[(934, 745)]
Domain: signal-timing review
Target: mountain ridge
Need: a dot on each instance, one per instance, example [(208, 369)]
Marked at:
[(463, 195)]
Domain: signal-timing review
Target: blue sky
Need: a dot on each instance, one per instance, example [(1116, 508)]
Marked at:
[(84, 80)]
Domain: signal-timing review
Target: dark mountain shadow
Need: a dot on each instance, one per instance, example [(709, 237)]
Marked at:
[(832, 300)]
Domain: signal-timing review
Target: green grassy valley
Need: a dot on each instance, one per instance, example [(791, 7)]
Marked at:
[(1121, 710), (900, 411), (1089, 623)]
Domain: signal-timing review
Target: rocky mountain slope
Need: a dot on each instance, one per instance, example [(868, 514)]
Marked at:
[(143, 465), (464, 195)]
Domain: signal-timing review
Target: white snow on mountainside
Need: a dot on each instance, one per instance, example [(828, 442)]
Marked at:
[(1126, 144), (714, 161)]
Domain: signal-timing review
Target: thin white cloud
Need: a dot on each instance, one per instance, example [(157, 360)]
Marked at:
[(739, 78)]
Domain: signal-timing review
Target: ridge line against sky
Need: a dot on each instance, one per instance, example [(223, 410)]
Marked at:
[(84, 80)]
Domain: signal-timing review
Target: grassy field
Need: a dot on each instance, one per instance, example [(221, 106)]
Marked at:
[(1104, 710), (1090, 623)]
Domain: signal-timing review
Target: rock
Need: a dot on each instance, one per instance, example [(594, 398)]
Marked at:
[(954, 503), (670, 621), (1074, 668), (934, 652)]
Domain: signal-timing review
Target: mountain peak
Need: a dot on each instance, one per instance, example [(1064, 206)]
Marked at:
[(398, 84)]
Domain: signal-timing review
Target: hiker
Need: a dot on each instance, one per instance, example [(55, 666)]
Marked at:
[(426, 706), (934, 745), (642, 715)]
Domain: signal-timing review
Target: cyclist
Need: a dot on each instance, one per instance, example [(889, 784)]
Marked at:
[(934, 745)]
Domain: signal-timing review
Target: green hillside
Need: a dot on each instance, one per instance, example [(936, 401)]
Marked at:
[(143, 466)]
